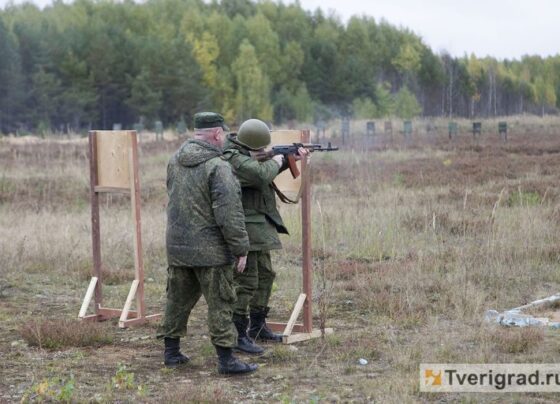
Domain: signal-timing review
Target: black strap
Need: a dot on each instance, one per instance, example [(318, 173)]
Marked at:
[(282, 196)]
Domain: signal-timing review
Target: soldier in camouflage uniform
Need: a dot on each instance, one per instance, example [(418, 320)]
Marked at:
[(263, 223), (206, 242)]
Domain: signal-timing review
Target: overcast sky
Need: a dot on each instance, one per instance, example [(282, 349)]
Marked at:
[(500, 28)]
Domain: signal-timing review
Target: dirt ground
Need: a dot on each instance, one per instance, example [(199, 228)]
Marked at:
[(414, 239)]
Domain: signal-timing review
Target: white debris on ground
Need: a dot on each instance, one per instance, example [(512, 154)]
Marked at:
[(515, 317)]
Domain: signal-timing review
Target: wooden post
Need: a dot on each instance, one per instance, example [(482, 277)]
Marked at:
[(95, 226), (137, 234), (306, 241), (303, 331)]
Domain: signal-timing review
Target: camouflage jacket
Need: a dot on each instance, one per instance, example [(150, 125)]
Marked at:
[(262, 219), (205, 220)]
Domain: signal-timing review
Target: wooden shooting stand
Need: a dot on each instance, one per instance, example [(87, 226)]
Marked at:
[(292, 331), (114, 168)]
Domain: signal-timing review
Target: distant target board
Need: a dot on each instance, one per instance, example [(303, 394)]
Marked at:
[(113, 160)]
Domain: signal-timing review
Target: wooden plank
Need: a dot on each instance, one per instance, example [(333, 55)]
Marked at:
[(112, 158), (138, 321), (131, 322), (100, 189), (290, 339), (128, 303), (295, 314), (136, 219), (112, 313), (306, 240), (91, 317), (105, 313), (280, 327), (540, 302), (87, 298), (95, 226)]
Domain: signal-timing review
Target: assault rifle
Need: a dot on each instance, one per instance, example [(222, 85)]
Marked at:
[(290, 151)]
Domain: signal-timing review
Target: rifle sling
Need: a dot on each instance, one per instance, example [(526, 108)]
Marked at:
[(281, 196)]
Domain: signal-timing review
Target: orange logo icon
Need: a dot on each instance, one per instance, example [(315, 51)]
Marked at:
[(436, 377)]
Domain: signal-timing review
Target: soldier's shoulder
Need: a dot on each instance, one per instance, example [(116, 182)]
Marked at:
[(218, 163), (229, 154), (235, 157)]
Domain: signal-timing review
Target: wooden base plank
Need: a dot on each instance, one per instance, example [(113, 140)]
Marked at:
[(290, 339), (280, 327), (107, 313), (92, 317), (112, 313), (138, 321)]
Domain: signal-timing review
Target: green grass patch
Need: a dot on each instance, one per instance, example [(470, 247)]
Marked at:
[(55, 389), (524, 198)]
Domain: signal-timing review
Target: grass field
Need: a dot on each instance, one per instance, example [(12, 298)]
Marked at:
[(414, 239)]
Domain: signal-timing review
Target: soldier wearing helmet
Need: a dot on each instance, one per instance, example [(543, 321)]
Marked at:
[(263, 223)]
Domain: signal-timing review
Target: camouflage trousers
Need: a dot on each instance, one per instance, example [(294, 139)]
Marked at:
[(254, 285), (185, 286)]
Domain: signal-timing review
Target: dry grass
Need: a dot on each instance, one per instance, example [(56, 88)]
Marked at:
[(196, 393), (413, 241), (64, 333), (517, 340)]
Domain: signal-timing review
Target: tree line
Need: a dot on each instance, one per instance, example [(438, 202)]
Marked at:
[(94, 63)]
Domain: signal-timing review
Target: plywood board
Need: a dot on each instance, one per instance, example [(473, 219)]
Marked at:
[(287, 184), (113, 168)]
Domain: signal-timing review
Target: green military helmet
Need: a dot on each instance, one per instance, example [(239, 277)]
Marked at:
[(253, 134)]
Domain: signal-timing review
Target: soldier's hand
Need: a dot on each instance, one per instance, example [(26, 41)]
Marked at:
[(279, 158), (241, 263), (302, 151)]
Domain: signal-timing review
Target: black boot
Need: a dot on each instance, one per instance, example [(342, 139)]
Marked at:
[(244, 343), (259, 330), (229, 364), (172, 354)]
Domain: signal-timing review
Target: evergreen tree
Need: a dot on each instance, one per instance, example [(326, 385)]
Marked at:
[(91, 64), (11, 86), (252, 94), (406, 104)]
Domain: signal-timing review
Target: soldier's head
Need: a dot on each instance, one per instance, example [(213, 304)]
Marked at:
[(210, 127), (253, 134)]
